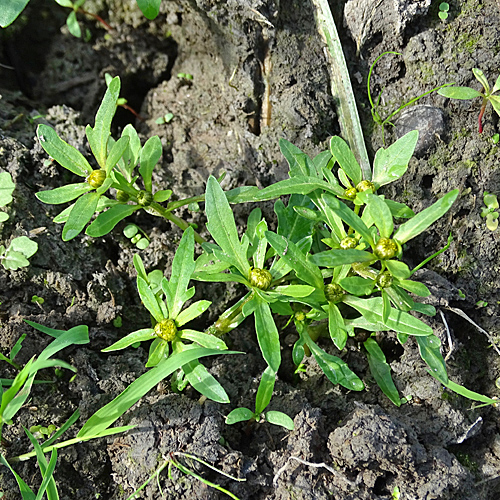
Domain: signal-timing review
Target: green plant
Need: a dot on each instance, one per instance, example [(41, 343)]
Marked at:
[(262, 400), (117, 161), (490, 212), (377, 118), (443, 11), (467, 93), (20, 249), (166, 118), (136, 235)]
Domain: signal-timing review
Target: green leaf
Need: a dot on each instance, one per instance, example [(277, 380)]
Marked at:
[(149, 299), (222, 227), (193, 311), (380, 213), (496, 87), (296, 291), (24, 489), (295, 185), (8, 14), (99, 135), (6, 188), (265, 390), (130, 156), (63, 194), (239, 415), (348, 216), (116, 153), (66, 155), (430, 352), (357, 286), (204, 382), (80, 215), (296, 259), (415, 287), (24, 245), (73, 26), (279, 418), (150, 154), (336, 326), (424, 219), (106, 221), (334, 258), (150, 8), (132, 338), (466, 393), (290, 224), (381, 371), (204, 339), (139, 267), (346, 159), (399, 210), (161, 196), (495, 102), (398, 269), (399, 321), (267, 334), (297, 160), (462, 93), (481, 79), (183, 267), (158, 351), (391, 163), (108, 414)]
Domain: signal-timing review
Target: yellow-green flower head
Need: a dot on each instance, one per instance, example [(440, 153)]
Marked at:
[(384, 280), (348, 242), (166, 329), (144, 198), (122, 196), (350, 193), (300, 316), (385, 249), (365, 186), (334, 293), (260, 278), (96, 178)]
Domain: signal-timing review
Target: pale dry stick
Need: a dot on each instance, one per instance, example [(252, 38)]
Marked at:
[(311, 464), (262, 18), (266, 106), (488, 336), (448, 335)]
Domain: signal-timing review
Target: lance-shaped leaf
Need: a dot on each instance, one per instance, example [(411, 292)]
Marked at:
[(99, 135), (267, 334), (296, 185), (238, 415), (290, 224), (336, 326), (80, 215), (380, 213), (357, 285), (296, 259), (150, 154), (342, 153), (348, 216), (204, 339), (391, 163), (399, 321), (334, 258), (66, 155), (116, 153), (149, 299), (204, 382), (424, 219), (106, 221), (430, 352), (63, 194), (381, 371), (183, 267), (462, 93), (265, 390), (131, 338), (222, 227), (299, 162), (130, 156), (191, 312)]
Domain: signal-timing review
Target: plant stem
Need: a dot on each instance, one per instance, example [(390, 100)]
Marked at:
[(231, 318), (96, 17), (481, 113)]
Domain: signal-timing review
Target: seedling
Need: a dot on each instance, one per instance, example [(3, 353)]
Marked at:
[(467, 93), (137, 236), (20, 249), (490, 212), (262, 400), (185, 76), (166, 118), (377, 118), (443, 11)]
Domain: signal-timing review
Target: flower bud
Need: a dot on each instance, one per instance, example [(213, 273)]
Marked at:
[(350, 193), (166, 329), (348, 243), (385, 249), (334, 293), (365, 186), (144, 198), (96, 178), (300, 316), (260, 278), (384, 280), (122, 196)]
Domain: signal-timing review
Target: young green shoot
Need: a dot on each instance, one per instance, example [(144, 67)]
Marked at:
[(467, 93), (490, 212)]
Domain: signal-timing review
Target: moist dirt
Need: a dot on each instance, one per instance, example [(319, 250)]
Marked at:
[(259, 73)]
